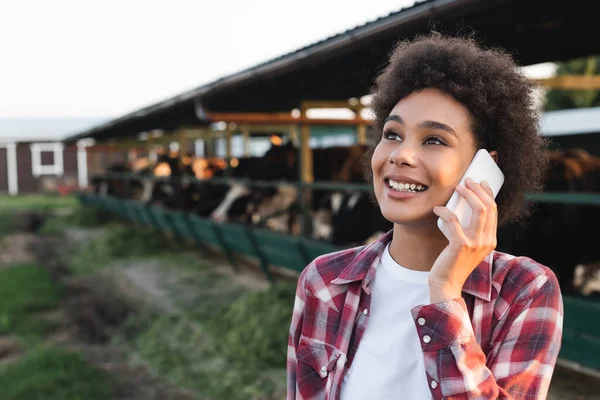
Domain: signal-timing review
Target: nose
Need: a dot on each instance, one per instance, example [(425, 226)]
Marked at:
[(404, 154)]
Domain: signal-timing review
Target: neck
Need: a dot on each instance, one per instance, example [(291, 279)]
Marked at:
[(417, 247)]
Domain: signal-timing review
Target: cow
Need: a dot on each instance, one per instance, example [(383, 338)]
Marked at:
[(349, 219), (278, 208), (557, 234)]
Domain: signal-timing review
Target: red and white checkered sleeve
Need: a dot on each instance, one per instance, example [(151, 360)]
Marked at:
[(520, 363), (294, 335)]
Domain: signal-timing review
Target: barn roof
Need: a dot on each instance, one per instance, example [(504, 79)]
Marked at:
[(344, 65), (33, 129)]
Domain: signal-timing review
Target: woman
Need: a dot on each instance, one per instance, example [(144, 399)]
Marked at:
[(415, 315)]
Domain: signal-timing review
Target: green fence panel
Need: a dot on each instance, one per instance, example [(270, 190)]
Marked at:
[(104, 203), (82, 198), (144, 213), (204, 230), (581, 332), (179, 222), (131, 211), (314, 248), (160, 219), (581, 349), (280, 249), (237, 238)]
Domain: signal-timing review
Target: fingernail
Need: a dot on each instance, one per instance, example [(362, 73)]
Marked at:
[(485, 184), (469, 180)]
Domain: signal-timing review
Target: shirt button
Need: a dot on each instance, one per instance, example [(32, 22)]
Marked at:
[(421, 321), (426, 338), (365, 311), (323, 368), (433, 384)]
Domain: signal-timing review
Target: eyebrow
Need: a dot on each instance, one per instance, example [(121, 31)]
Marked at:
[(423, 124)]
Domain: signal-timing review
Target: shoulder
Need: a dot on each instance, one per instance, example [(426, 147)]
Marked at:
[(327, 267), (519, 278)]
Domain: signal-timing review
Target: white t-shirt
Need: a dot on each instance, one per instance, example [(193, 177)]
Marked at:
[(389, 362)]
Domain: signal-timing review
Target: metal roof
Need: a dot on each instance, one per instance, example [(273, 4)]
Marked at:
[(35, 129), (344, 65), (571, 122)]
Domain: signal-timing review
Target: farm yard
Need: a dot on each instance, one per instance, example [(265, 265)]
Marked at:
[(94, 308), (154, 253)]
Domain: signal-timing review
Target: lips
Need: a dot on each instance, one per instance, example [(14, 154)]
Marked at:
[(404, 184)]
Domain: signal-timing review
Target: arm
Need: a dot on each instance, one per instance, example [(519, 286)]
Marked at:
[(523, 354), (294, 336)]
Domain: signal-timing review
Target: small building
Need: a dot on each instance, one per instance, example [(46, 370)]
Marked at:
[(33, 157)]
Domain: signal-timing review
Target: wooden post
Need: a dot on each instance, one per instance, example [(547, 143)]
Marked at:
[(306, 176), (228, 144), (294, 134), (183, 144), (361, 128), (361, 134), (246, 134), (306, 162)]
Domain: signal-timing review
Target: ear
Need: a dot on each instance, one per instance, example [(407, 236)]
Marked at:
[(494, 155)]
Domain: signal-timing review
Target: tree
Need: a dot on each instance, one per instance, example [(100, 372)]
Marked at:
[(560, 99)]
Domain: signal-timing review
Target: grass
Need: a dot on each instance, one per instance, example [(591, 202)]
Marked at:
[(54, 374), (37, 202), (10, 205), (253, 330), (117, 242), (47, 373), (80, 216), (227, 347), (26, 290)]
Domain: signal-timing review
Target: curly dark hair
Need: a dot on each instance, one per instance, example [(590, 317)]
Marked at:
[(497, 95)]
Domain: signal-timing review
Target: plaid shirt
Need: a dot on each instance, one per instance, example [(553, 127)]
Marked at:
[(500, 340)]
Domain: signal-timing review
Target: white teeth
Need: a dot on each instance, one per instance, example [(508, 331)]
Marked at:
[(408, 187)]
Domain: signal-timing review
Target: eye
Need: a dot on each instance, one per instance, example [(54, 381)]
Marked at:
[(434, 140), (391, 135)]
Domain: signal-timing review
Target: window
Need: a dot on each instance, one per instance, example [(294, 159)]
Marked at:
[(52, 161)]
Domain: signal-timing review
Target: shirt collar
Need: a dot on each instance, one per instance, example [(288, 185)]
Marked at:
[(364, 266)]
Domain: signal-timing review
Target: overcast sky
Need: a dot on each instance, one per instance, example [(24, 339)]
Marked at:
[(110, 57)]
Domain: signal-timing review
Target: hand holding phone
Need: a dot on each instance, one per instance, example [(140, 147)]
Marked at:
[(482, 167)]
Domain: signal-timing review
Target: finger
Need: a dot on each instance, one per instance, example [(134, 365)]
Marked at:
[(478, 218), (452, 222), (484, 191), (488, 189)]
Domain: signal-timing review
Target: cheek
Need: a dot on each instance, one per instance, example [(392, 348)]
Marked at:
[(378, 160), (448, 174)]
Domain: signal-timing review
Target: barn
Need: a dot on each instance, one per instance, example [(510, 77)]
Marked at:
[(33, 158)]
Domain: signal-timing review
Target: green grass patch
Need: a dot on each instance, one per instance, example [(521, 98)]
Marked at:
[(24, 291), (10, 206), (36, 202), (7, 222), (178, 349), (54, 374), (118, 242), (235, 348), (82, 217), (253, 330)]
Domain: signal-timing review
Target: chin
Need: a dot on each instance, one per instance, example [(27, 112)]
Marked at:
[(408, 215)]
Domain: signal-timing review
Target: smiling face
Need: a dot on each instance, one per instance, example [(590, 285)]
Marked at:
[(425, 148)]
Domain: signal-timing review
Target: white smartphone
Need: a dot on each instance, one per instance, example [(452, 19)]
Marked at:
[(482, 167)]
